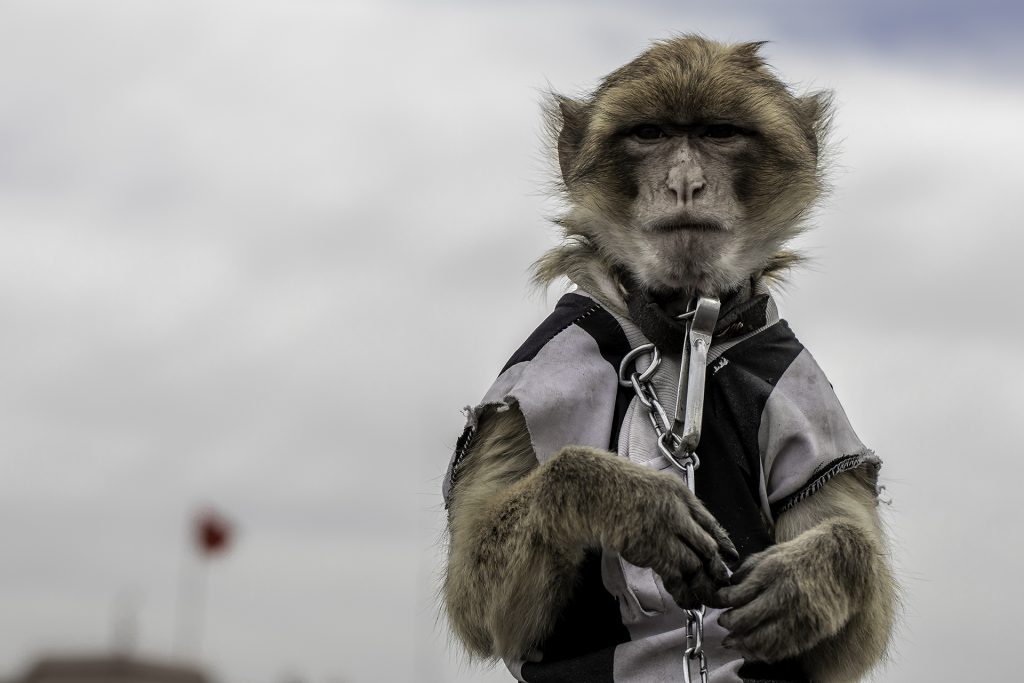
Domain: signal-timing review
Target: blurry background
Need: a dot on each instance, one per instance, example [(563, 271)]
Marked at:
[(258, 255)]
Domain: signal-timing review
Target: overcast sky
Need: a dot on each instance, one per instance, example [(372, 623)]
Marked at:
[(258, 255)]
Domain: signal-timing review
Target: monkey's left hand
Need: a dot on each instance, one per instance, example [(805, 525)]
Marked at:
[(792, 596)]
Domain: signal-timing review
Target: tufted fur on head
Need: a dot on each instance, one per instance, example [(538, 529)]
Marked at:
[(776, 175)]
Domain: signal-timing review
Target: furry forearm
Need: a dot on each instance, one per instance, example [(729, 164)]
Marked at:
[(862, 642), (823, 592), (506, 579), (842, 520), (519, 533)]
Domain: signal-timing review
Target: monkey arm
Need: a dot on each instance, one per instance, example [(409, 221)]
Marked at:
[(849, 510), (490, 552), (825, 592), (519, 532)]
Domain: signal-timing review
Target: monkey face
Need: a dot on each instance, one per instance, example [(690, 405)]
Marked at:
[(683, 225), (692, 165)]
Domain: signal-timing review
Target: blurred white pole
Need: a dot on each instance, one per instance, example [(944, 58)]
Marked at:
[(210, 534), (190, 611)]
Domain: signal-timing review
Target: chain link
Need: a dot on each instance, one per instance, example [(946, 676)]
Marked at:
[(667, 440), (695, 644), (668, 445)]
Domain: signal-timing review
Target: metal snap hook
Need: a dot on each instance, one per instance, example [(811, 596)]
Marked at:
[(626, 368)]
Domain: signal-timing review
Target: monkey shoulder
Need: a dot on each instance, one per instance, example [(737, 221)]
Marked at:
[(563, 380), (770, 403)]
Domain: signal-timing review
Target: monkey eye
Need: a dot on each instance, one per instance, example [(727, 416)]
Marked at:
[(648, 132), (721, 131)]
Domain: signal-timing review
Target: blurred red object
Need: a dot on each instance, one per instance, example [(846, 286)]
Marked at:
[(212, 532)]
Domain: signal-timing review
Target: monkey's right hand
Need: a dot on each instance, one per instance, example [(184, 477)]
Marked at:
[(651, 519)]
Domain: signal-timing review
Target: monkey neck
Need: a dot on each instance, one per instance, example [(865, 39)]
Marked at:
[(654, 311)]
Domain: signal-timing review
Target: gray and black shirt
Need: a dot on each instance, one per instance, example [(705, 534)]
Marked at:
[(773, 433)]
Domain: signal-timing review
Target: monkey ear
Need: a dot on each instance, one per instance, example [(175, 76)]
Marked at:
[(573, 119), (815, 113), (816, 106)]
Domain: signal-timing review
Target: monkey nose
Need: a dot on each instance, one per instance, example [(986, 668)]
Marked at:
[(686, 191), (685, 182)]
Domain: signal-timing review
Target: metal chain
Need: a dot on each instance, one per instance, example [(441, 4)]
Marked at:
[(695, 644), (668, 444), (668, 441)]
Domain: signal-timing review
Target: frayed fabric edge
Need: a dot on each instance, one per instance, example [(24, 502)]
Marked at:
[(465, 441), (826, 473)]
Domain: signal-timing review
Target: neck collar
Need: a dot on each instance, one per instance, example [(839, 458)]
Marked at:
[(653, 311)]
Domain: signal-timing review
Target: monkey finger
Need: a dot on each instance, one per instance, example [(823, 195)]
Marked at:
[(687, 578), (688, 561), (741, 593), (691, 592), (745, 570), (706, 520), (718, 572), (754, 645), (703, 543), (742, 620), (705, 581), (679, 589), (727, 548), (710, 597), (704, 588), (771, 641), (710, 565)]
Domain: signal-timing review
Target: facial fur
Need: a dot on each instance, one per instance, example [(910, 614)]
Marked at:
[(692, 166)]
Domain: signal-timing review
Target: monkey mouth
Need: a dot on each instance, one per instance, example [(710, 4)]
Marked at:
[(678, 224)]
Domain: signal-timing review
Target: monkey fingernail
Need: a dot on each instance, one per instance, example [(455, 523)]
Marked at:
[(719, 573), (715, 600)]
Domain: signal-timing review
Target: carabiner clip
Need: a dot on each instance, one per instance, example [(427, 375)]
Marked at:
[(692, 371)]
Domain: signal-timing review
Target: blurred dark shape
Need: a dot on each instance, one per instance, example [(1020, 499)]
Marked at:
[(110, 670), (213, 532)]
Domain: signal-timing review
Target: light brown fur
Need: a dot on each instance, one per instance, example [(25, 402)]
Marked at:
[(519, 530), (688, 79), (824, 591)]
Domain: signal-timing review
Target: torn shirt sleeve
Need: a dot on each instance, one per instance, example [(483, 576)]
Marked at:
[(805, 438), (566, 393)]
